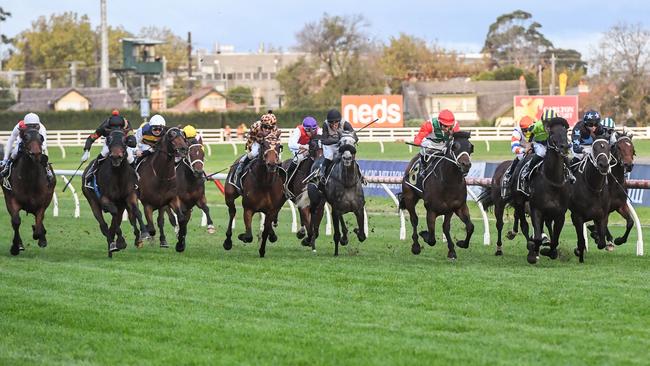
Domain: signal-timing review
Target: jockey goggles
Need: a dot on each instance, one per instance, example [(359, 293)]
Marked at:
[(267, 126), (310, 129)]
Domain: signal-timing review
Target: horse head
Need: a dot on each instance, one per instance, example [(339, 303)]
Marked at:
[(116, 147), (271, 148), (315, 147), (347, 148), (623, 150), (558, 140), (600, 154), (195, 157), (32, 143), (460, 149), (174, 142)]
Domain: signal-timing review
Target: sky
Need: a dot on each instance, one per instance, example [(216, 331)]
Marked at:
[(460, 25)]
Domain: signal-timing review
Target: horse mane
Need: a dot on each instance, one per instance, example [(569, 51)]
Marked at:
[(462, 135)]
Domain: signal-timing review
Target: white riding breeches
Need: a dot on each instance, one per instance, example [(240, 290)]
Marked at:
[(329, 151), (586, 150), (255, 151), (540, 149), (129, 153)]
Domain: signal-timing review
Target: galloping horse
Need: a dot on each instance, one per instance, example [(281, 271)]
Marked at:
[(262, 191), (114, 191), (623, 154), (444, 193), (590, 195), (27, 188), (343, 190), (157, 183), (296, 184), (549, 191)]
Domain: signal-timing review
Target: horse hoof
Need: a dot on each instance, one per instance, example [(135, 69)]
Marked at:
[(145, 236), (139, 244), (548, 252), (609, 247), (262, 253), (619, 241), (416, 249), (511, 235), (245, 238), (180, 247), (344, 241), (360, 235), (531, 258), (451, 256), (14, 250), (594, 235), (211, 229), (21, 247), (41, 243), (499, 252), (306, 242), (227, 244), (602, 246), (121, 243), (301, 233), (164, 244), (112, 247), (462, 244), (545, 240), (273, 237)]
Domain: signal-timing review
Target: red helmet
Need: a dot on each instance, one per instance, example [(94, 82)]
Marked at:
[(115, 112), (446, 118), (525, 122)]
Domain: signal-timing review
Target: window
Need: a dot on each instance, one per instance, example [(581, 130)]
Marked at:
[(272, 75), (265, 75), (230, 76), (247, 76), (239, 76), (256, 76)]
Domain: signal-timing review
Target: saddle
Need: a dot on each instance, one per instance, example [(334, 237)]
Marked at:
[(523, 181)]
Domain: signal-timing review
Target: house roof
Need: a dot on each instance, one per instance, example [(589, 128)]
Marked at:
[(190, 104), (494, 97), (39, 100)]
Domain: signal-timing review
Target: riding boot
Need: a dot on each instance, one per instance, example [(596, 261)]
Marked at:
[(505, 182), (240, 168), (322, 173), (48, 171), (526, 170), (423, 165)]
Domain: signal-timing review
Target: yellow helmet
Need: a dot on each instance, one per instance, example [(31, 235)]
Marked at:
[(189, 131)]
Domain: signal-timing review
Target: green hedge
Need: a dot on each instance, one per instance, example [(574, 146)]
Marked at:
[(86, 120)]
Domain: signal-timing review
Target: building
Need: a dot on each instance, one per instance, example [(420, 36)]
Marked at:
[(471, 101), (70, 99), (206, 99), (226, 69)]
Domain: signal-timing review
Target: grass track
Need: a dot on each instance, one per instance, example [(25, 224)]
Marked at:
[(375, 304)]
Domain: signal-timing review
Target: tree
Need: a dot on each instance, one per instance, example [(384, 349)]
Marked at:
[(515, 39), (114, 44), (299, 81), (174, 49), (240, 95), (622, 65), (511, 73), (3, 17)]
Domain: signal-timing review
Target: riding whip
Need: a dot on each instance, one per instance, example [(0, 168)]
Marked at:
[(74, 175), (361, 129), (208, 176)]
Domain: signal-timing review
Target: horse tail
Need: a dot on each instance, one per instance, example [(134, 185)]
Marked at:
[(485, 198)]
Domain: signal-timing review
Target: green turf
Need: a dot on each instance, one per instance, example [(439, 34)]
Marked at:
[(375, 304)]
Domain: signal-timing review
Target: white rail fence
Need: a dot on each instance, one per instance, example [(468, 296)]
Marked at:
[(328, 226), (72, 138)]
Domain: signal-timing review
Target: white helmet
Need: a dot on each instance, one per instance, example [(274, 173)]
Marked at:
[(32, 119), (157, 120)]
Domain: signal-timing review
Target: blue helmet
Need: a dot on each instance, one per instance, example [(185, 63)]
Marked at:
[(591, 118), (310, 123)]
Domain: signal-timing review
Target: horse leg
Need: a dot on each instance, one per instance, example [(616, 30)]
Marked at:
[(446, 227), (601, 228), (558, 224), (535, 242), (14, 211), (336, 221), (549, 228), (135, 217), (97, 212), (120, 242), (515, 226), (316, 216), (359, 230), (579, 251), (203, 205), (520, 214), (247, 236), (463, 214), (148, 215), (268, 225), (344, 232), (430, 236), (182, 231), (39, 229), (304, 221), (498, 214), (629, 224), (110, 238), (413, 217), (161, 224)]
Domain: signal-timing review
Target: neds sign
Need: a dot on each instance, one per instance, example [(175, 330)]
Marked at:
[(360, 110)]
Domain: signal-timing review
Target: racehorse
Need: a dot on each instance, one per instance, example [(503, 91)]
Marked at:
[(113, 191), (623, 154), (343, 190), (296, 184), (549, 191), (262, 191), (27, 189), (157, 183), (444, 193), (590, 194)]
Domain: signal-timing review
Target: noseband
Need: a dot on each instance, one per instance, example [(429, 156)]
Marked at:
[(594, 159), (187, 159)]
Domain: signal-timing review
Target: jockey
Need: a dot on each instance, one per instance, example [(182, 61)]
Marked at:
[(584, 133), (148, 134), (435, 133), (31, 121), (518, 145), (299, 141), (190, 134), (266, 126), (608, 126), (114, 122), (332, 131)]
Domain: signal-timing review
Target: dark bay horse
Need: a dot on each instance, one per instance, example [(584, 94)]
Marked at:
[(623, 153), (590, 194), (115, 191), (157, 183), (549, 191), (296, 185), (190, 185), (444, 193), (343, 190), (27, 189), (262, 191)]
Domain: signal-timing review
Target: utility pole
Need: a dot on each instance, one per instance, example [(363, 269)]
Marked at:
[(552, 85), (104, 76), (73, 73), (539, 78), (189, 54)]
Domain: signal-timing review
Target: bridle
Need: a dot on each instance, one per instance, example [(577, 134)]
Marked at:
[(187, 160), (452, 158), (171, 134)]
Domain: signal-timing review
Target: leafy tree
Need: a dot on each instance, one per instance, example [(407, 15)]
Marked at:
[(115, 34), (174, 49), (299, 81), (511, 73), (514, 38), (240, 95), (3, 17)]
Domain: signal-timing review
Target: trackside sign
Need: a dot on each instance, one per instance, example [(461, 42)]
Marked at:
[(360, 110)]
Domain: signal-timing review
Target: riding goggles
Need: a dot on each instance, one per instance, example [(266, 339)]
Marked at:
[(267, 126)]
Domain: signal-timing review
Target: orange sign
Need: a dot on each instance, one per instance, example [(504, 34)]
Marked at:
[(533, 106), (360, 110)]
